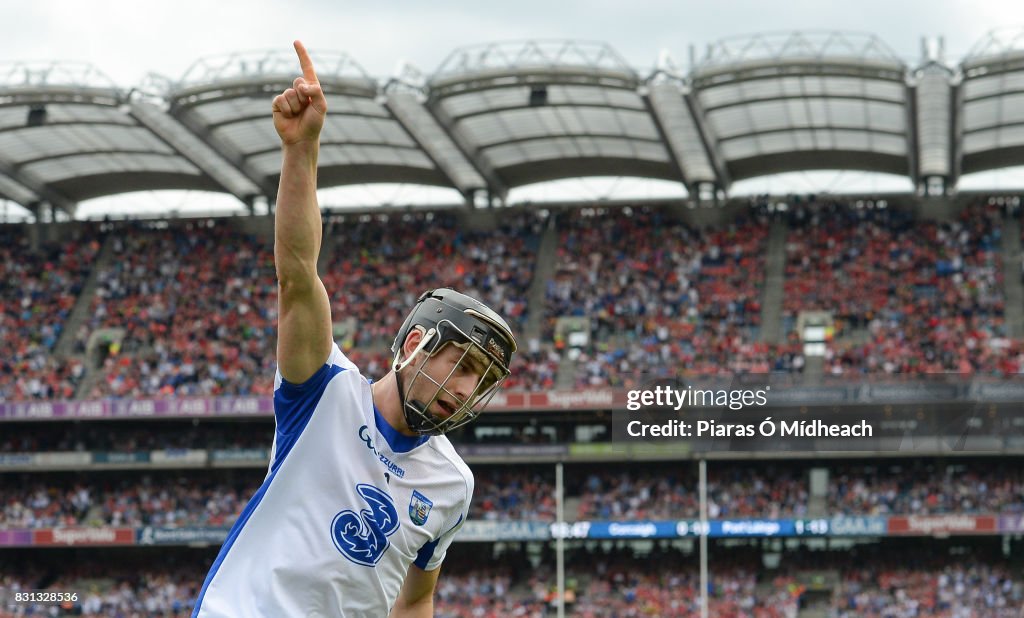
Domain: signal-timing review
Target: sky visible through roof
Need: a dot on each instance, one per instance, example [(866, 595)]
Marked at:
[(127, 40)]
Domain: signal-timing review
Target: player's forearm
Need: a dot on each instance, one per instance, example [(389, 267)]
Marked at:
[(297, 225), (421, 609)]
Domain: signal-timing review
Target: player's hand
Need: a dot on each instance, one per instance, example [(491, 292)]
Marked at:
[(299, 111)]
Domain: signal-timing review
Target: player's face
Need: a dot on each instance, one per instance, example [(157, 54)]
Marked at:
[(460, 370)]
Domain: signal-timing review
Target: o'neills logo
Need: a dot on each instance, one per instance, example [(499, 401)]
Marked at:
[(76, 536)]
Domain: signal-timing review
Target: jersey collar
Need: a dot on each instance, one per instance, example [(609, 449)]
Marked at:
[(399, 442)]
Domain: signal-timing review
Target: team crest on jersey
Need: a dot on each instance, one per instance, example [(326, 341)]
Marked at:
[(419, 508)]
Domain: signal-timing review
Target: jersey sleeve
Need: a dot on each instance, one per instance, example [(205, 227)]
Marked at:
[(432, 554), (294, 403), (291, 400)]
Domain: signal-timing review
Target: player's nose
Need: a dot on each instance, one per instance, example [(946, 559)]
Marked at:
[(465, 385)]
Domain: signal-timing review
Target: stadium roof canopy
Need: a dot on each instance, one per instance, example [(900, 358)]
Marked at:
[(498, 116), (67, 134), (992, 103), (534, 111), (789, 102)]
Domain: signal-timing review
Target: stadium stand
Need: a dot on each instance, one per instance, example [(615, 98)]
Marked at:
[(172, 500), (928, 293), (492, 581), (926, 487), (656, 493), (903, 292), (38, 289), (661, 294), (188, 329), (131, 437), (885, 581), (107, 583), (377, 264), (665, 583), (527, 493)]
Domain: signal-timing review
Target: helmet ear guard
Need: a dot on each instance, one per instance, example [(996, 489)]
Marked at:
[(449, 317)]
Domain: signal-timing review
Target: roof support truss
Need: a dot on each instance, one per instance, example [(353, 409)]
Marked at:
[(202, 155), (436, 142)]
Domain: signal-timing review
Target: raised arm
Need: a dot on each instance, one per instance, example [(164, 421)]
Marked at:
[(304, 336)]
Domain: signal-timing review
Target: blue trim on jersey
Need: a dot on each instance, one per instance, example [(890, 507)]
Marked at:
[(452, 529), (293, 407), (399, 442), (426, 552)]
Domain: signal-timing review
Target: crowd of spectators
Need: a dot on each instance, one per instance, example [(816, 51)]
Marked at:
[(616, 583), (627, 366), (840, 258), (520, 493), (484, 595), (884, 583), (380, 264), (782, 490), (197, 303), (192, 304), (535, 368), (169, 502), (133, 436), (737, 491), (38, 290), (481, 583), (527, 493), (666, 582), (663, 297), (635, 270), (892, 579), (114, 586), (926, 295), (734, 491), (945, 591), (923, 488)]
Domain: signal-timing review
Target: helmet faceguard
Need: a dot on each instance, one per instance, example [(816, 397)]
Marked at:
[(446, 317)]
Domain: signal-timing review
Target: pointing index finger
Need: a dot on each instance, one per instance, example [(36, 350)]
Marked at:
[(306, 63)]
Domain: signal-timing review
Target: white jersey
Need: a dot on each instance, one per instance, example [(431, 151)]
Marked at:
[(347, 505)]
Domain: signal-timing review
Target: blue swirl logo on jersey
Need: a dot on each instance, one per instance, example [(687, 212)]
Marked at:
[(363, 537)]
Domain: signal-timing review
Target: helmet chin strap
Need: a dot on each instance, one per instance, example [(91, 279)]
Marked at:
[(411, 420)]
